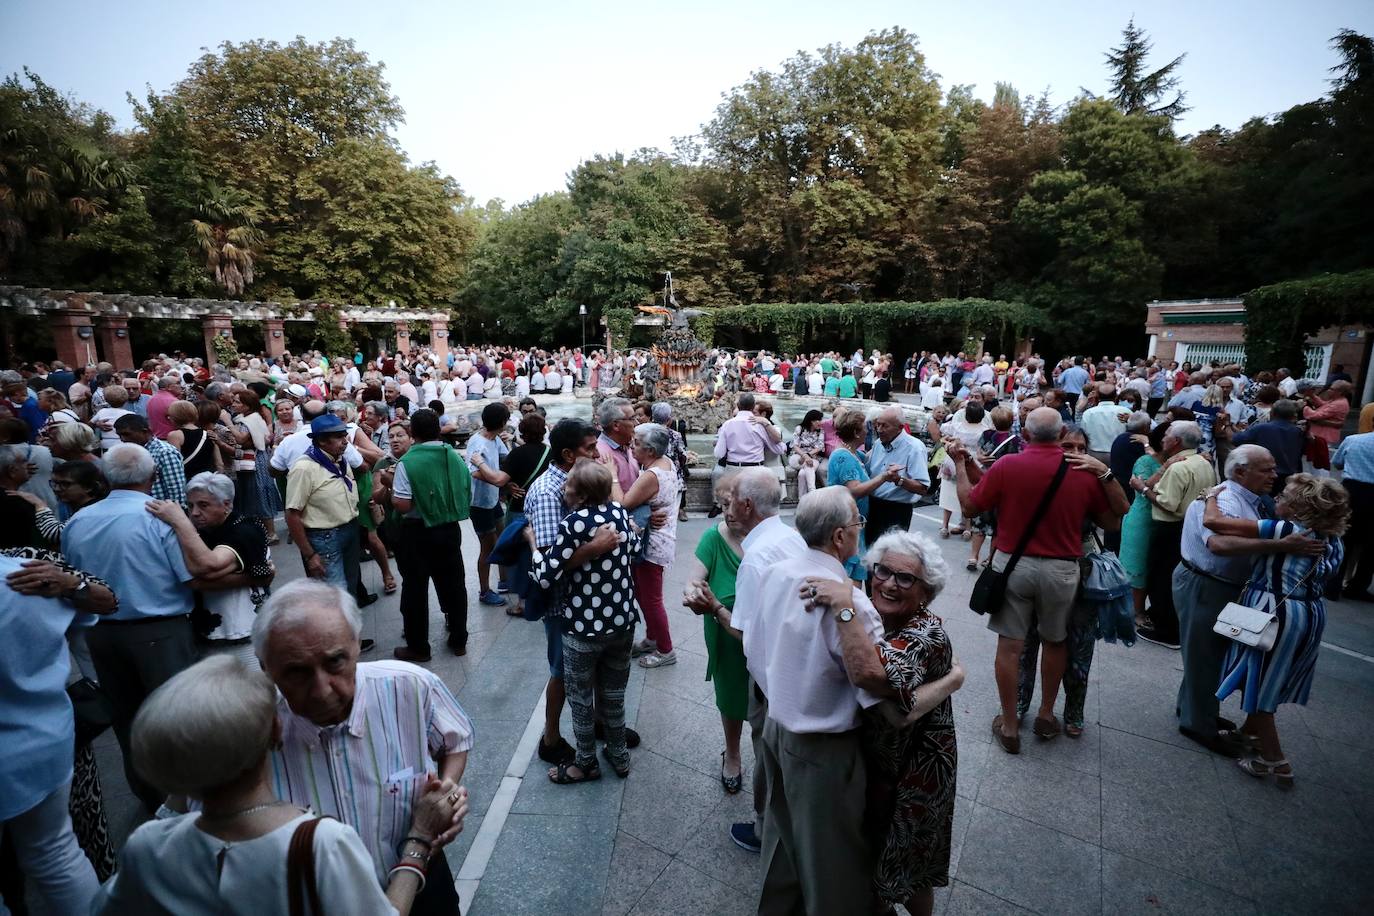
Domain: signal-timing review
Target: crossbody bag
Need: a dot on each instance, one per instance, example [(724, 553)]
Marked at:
[(1255, 627), (991, 587)]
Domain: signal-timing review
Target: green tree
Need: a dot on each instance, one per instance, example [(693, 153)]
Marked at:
[(1135, 88), (516, 271)]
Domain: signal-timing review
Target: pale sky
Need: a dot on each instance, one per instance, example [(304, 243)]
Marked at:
[(509, 97)]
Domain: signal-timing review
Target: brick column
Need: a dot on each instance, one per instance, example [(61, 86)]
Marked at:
[(115, 347), (274, 336), (402, 337), (212, 326), (68, 328), (438, 339)]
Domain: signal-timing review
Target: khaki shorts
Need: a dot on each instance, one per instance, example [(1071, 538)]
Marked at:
[(1041, 591)]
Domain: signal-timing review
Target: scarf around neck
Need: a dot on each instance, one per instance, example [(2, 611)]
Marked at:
[(317, 455)]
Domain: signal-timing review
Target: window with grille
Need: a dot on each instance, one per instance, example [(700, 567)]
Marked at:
[(1317, 356)]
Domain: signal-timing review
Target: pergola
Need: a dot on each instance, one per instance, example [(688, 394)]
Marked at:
[(92, 326)]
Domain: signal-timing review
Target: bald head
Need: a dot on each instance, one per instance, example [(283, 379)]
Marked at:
[(1044, 425)]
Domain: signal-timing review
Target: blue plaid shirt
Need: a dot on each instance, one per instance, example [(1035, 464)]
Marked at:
[(1356, 457), (170, 482), (544, 505)]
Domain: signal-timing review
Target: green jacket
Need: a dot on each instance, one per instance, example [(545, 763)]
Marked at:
[(440, 484)]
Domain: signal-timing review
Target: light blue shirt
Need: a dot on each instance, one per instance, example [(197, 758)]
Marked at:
[(36, 724), (137, 555), (140, 406), (1356, 457), (910, 453), (1073, 379), (1234, 501), (485, 495), (1160, 385)]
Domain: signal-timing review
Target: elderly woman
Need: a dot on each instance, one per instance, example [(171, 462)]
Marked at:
[(206, 734), (72, 441), (54, 403), (597, 612), (912, 756), (199, 454), (657, 487), (227, 553), (1290, 585), (1138, 525)]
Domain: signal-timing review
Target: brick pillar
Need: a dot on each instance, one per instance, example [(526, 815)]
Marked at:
[(438, 339), (402, 337), (1024, 346), (115, 347), (274, 336), (212, 326), (68, 328)]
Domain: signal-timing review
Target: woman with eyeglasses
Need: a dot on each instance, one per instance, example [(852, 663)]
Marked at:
[(910, 750)]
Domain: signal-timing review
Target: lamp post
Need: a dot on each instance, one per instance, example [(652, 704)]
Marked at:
[(582, 312)]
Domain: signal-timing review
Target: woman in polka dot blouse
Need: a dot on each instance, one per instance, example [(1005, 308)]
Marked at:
[(597, 606)]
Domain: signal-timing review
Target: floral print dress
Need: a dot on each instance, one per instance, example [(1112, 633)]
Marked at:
[(911, 771)]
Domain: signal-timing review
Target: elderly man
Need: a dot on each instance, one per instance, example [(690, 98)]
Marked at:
[(896, 450), (1194, 392), (1212, 571), (1325, 414), (170, 483), (358, 741), (1281, 436), (169, 389), (615, 416), (1072, 381), (1356, 458), (1187, 475), (742, 442), (1041, 587), (816, 857), (1104, 422), (149, 638)]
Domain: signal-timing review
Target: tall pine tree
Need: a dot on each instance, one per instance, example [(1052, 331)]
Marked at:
[(1134, 90)]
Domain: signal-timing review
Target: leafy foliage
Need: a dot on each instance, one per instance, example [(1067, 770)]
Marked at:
[(1137, 90), (1280, 316)]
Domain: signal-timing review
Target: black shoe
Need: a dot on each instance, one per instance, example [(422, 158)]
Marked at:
[(367, 645), (631, 736), (457, 648), (365, 600), (1150, 634), (1213, 742), (745, 837), (1351, 594), (562, 752), (410, 655)]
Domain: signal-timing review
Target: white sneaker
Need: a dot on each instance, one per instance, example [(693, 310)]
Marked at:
[(643, 647), (658, 659)]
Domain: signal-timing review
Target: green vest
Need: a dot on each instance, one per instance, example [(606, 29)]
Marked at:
[(440, 485)]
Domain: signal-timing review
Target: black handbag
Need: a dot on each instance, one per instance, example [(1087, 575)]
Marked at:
[(991, 587)]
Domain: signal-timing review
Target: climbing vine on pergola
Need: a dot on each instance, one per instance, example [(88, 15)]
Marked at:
[(1280, 317)]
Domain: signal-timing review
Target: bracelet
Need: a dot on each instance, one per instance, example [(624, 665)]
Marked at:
[(420, 857), (405, 866), (1105, 477), (428, 844)]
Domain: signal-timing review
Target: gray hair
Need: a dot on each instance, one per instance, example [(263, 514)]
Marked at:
[(128, 465), (934, 569), (654, 437), (344, 410), (295, 603), (611, 410), (1284, 409), (168, 380), (217, 485), (205, 727), (661, 412), (10, 455), (9, 377), (214, 390), (74, 436), (1044, 424), (376, 409), (821, 511), (1242, 456), (1188, 433), (1138, 422), (760, 487)]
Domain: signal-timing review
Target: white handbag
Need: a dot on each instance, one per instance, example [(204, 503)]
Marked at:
[(1258, 627)]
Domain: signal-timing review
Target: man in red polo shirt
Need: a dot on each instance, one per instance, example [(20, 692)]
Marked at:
[(1043, 584)]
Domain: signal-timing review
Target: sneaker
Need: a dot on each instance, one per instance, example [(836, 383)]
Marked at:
[(492, 599), (1150, 634), (658, 659), (643, 647), (745, 837)]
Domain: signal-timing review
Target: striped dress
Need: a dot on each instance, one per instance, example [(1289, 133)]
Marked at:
[(1284, 673)]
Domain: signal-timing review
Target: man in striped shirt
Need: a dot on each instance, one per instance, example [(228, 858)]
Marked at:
[(359, 741)]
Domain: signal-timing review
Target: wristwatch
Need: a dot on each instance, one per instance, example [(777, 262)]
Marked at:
[(77, 594), (845, 614)]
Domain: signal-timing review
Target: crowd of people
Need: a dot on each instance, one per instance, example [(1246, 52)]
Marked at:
[(141, 506)]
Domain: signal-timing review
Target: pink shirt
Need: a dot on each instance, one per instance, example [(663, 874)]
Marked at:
[(1335, 409), (626, 468), (157, 414), (743, 441)]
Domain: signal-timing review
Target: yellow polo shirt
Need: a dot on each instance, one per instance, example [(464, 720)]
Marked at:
[(324, 500), (1181, 484)]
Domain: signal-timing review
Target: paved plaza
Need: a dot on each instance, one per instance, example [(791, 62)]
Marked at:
[(1131, 818)]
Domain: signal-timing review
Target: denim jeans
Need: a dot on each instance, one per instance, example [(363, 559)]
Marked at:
[(338, 550)]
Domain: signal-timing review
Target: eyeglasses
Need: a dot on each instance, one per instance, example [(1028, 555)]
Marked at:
[(860, 523), (883, 572)]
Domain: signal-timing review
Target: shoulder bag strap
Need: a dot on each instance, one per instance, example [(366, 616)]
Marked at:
[(195, 451), (300, 871), (1035, 519), (538, 466)]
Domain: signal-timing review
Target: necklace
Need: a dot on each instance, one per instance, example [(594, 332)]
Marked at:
[(230, 815)]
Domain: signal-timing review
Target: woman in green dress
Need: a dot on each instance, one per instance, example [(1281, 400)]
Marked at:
[(718, 556), (1137, 526)]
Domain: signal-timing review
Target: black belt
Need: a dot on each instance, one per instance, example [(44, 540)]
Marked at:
[(744, 464), (1206, 575), (334, 528), (105, 622)]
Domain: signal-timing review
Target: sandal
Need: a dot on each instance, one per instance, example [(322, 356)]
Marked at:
[(1073, 731), (388, 585), (1260, 768), (559, 775), (944, 533), (1012, 745), (1047, 728), (971, 566), (968, 534), (622, 772), (732, 784), (515, 610)]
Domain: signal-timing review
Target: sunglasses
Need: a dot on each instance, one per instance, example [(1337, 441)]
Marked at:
[(882, 572)]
